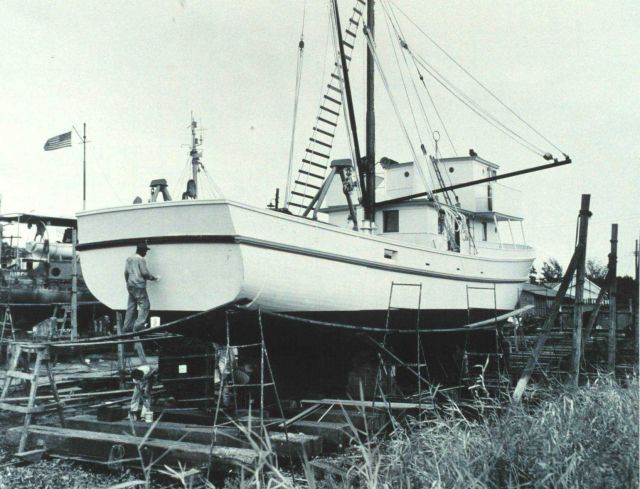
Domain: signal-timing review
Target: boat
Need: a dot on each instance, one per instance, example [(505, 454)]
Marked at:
[(348, 246), (36, 270)]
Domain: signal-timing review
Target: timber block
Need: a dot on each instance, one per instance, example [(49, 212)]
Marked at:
[(99, 447), (335, 435), (225, 436)]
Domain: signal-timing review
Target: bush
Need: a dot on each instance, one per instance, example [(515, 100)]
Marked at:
[(576, 438)]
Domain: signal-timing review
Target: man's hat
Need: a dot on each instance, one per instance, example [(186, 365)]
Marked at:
[(142, 246)]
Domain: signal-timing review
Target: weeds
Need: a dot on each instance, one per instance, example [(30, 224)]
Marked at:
[(574, 438)]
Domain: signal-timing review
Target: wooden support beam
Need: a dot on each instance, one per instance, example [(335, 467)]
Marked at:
[(578, 305), (547, 325), (91, 445), (613, 291), (224, 436), (74, 284), (120, 350), (636, 302)]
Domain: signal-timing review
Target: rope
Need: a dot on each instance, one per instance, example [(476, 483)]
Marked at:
[(473, 106), (433, 103), (296, 99), (385, 82), (493, 95), (145, 332), (487, 324)]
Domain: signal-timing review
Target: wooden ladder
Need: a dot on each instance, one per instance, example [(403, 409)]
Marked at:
[(42, 357)]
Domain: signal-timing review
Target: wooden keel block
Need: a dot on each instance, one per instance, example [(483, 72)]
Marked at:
[(98, 446)]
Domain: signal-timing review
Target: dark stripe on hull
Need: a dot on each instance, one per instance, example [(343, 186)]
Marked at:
[(229, 239)]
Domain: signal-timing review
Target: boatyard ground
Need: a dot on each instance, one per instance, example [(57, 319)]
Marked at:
[(569, 437)]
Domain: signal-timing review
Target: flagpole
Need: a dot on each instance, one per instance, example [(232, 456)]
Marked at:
[(84, 167)]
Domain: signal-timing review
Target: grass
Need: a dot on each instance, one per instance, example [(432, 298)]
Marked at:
[(578, 438), (575, 438)]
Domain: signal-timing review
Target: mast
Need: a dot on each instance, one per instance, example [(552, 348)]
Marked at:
[(370, 209), (195, 157)]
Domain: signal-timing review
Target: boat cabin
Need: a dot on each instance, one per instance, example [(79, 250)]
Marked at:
[(491, 209)]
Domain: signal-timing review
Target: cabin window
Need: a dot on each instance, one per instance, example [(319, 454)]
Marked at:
[(390, 221), (441, 222), (484, 231)]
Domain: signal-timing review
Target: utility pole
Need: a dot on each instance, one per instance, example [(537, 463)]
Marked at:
[(370, 212), (579, 287), (613, 290)]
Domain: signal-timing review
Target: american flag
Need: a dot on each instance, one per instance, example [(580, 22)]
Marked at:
[(57, 142)]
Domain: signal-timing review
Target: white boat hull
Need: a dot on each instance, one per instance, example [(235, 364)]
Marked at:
[(209, 253)]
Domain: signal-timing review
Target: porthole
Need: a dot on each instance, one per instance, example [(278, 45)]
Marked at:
[(406, 174), (451, 169), (55, 271)]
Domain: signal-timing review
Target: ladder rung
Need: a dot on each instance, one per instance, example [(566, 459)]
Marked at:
[(352, 34), (21, 375), (347, 44), (359, 12), (337, 77), (335, 101), (20, 409), (362, 2), (322, 107), (311, 174), (335, 89), (355, 22), (324, 167), (327, 122), (307, 184), (320, 142), (317, 154), (321, 131), (301, 195), (298, 205), (266, 384)]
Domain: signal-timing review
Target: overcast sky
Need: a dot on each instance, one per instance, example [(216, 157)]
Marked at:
[(134, 71)]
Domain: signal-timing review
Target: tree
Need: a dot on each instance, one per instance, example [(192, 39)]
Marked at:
[(552, 271), (533, 275), (596, 272)]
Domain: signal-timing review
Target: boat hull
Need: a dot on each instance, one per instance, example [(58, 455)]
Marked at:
[(215, 254), (210, 253)]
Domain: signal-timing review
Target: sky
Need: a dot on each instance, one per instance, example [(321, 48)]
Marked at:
[(134, 72)]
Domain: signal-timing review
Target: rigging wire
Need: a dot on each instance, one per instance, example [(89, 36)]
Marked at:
[(421, 77), (473, 106), (385, 82), (463, 97), (459, 221), (295, 106), (492, 94), (313, 134)]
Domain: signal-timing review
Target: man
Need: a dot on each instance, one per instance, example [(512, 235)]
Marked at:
[(136, 275), (143, 378)]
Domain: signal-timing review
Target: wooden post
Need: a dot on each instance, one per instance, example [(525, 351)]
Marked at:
[(636, 301), (120, 350), (74, 284), (613, 290), (579, 288), (548, 324)]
